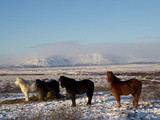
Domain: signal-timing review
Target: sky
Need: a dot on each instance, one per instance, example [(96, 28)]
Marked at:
[(33, 28)]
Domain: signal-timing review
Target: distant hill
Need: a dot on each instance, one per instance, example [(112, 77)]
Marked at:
[(79, 60)]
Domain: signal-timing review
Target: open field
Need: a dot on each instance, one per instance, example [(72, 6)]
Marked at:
[(104, 105)]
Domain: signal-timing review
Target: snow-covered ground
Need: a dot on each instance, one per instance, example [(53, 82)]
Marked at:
[(103, 107), (103, 104)]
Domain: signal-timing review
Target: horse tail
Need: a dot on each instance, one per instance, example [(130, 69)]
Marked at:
[(92, 87), (140, 89), (89, 86), (58, 88), (138, 86)]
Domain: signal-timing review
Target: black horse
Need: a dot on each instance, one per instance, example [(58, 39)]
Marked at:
[(77, 87), (45, 87)]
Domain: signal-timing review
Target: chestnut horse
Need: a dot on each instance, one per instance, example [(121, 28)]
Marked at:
[(118, 88)]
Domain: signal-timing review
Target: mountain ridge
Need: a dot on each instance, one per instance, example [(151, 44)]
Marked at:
[(79, 60)]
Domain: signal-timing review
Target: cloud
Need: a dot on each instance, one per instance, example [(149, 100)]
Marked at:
[(55, 43), (151, 39), (59, 48), (73, 48)]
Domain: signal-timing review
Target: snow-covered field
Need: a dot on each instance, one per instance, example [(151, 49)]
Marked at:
[(103, 104)]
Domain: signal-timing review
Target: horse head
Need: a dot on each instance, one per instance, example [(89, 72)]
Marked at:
[(62, 81), (39, 82), (18, 81), (110, 77)]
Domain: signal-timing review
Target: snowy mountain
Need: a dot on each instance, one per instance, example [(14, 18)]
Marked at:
[(44, 62), (88, 59)]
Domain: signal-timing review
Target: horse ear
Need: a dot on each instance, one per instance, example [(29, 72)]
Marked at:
[(109, 71), (62, 77)]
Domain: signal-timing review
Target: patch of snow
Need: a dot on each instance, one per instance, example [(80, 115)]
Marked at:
[(103, 107), (103, 104)]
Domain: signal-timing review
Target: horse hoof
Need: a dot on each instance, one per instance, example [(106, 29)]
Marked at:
[(136, 106), (119, 106), (26, 100), (73, 106), (88, 104)]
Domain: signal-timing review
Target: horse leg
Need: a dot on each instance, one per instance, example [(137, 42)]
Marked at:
[(57, 95), (26, 96), (118, 100), (133, 102), (45, 95), (39, 93), (137, 95), (56, 91), (73, 100), (89, 95), (42, 94), (136, 99)]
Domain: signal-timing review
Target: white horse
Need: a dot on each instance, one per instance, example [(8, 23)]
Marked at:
[(26, 87)]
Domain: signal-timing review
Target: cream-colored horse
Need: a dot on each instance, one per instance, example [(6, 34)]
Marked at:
[(26, 87)]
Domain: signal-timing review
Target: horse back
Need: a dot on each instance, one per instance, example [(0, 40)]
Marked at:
[(52, 83), (137, 84), (127, 87), (84, 86), (87, 83), (130, 82)]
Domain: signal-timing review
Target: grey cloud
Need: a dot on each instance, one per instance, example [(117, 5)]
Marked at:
[(55, 43)]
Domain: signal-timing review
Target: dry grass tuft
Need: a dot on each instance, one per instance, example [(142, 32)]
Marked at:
[(33, 99)]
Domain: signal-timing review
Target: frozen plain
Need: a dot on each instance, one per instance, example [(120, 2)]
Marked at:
[(103, 103)]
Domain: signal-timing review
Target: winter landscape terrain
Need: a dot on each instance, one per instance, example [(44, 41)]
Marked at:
[(103, 104), (79, 60)]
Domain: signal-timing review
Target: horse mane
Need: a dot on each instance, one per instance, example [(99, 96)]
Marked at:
[(115, 77), (23, 80), (67, 82), (68, 79), (111, 77)]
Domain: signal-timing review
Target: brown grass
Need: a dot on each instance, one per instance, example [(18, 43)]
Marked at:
[(33, 99)]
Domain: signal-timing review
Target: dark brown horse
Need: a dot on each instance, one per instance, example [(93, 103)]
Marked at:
[(77, 87), (45, 87), (118, 88)]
